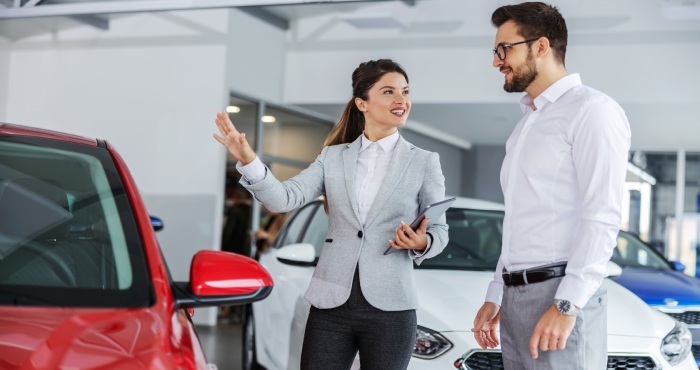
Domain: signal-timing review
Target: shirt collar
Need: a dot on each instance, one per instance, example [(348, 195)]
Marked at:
[(387, 144), (552, 93)]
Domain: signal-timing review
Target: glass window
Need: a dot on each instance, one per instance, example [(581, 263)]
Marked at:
[(292, 136), (317, 230), (650, 207), (294, 229), (67, 233), (475, 241), (632, 252), (650, 197)]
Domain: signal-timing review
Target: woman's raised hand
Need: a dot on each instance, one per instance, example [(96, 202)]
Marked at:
[(233, 140)]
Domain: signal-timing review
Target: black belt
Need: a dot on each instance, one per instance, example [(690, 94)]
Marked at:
[(533, 275)]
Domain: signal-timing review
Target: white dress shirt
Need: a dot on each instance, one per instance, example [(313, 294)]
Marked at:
[(373, 161), (562, 180)]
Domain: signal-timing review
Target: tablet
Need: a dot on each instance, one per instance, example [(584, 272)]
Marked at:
[(432, 211)]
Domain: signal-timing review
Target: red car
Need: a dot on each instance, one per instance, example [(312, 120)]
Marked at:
[(83, 284)]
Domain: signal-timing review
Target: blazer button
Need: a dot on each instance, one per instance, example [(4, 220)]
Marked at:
[(359, 234)]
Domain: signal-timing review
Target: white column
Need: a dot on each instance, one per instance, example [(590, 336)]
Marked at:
[(680, 200)]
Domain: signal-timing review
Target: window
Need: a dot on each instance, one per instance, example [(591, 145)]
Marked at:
[(296, 226), (317, 230), (67, 232), (475, 241), (632, 252)]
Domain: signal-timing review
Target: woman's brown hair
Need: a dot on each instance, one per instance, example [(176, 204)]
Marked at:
[(352, 122)]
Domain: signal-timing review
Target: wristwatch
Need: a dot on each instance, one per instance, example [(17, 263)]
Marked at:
[(565, 307)]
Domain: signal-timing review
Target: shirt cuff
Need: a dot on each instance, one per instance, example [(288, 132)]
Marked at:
[(422, 253), (576, 292), (253, 172), (494, 293)]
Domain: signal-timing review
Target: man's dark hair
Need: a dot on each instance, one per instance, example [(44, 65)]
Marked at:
[(536, 19)]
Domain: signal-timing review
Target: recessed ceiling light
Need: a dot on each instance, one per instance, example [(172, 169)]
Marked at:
[(268, 119), (372, 21), (232, 109)]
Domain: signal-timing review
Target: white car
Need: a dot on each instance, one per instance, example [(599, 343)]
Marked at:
[(451, 288)]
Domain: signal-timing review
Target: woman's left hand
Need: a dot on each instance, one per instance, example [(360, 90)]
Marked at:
[(406, 238)]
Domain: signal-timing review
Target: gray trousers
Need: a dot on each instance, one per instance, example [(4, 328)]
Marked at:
[(521, 309)]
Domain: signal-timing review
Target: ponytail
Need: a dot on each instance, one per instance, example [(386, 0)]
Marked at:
[(349, 127)]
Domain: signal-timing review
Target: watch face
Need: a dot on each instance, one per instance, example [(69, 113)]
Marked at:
[(564, 306)]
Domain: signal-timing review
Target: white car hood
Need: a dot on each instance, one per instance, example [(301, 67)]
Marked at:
[(450, 299)]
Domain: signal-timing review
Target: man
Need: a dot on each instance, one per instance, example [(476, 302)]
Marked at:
[(562, 180)]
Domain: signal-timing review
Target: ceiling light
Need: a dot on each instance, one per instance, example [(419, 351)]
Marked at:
[(268, 119), (372, 21), (233, 109)]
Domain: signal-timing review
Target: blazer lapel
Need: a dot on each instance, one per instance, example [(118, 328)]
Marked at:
[(350, 162), (399, 163)]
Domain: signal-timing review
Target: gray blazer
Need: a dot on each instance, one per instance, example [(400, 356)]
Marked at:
[(414, 180)]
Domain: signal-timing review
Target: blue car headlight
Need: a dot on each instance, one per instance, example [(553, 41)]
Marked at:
[(430, 344), (677, 343)]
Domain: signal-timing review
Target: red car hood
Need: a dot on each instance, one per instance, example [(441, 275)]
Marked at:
[(62, 338)]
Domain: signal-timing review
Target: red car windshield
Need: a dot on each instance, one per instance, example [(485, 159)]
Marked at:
[(67, 233)]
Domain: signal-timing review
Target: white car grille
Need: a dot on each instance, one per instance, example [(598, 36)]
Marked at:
[(491, 360), (688, 317)]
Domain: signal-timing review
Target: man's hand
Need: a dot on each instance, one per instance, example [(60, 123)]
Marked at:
[(552, 331), (485, 325)]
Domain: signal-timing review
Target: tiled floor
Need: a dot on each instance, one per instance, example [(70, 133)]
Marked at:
[(222, 344)]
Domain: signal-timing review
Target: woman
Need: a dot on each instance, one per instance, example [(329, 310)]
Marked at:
[(266, 235), (373, 180)]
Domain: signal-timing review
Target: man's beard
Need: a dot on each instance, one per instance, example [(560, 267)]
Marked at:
[(522, 79)]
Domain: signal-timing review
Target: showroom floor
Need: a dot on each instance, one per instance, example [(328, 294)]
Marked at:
[(222, 344)]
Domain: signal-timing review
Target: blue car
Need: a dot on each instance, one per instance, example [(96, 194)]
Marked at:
[(660, 283)]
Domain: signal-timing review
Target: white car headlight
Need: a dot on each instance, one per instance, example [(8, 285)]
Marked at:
[(430, 344), (677, 343)]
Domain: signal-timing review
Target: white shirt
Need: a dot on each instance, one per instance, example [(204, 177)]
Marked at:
[(373, 162), (562, 180)]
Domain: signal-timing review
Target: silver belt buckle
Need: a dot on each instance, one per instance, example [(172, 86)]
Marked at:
[(525, 277)]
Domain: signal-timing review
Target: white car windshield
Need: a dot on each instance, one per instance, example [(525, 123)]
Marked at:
[(475, 241)]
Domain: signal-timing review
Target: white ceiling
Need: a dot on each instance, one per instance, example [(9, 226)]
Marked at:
[(460, 24), (617, 26)]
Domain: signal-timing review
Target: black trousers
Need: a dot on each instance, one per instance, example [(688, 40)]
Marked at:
[(333, 336)]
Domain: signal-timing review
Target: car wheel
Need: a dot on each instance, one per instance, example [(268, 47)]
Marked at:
[(250, 360)]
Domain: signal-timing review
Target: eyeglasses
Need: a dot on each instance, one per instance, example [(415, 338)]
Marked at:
[(500, 50)]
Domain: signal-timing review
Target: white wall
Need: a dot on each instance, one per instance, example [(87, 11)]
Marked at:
[(256, 56), (655, 83), (151, 87), (5, 47)]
